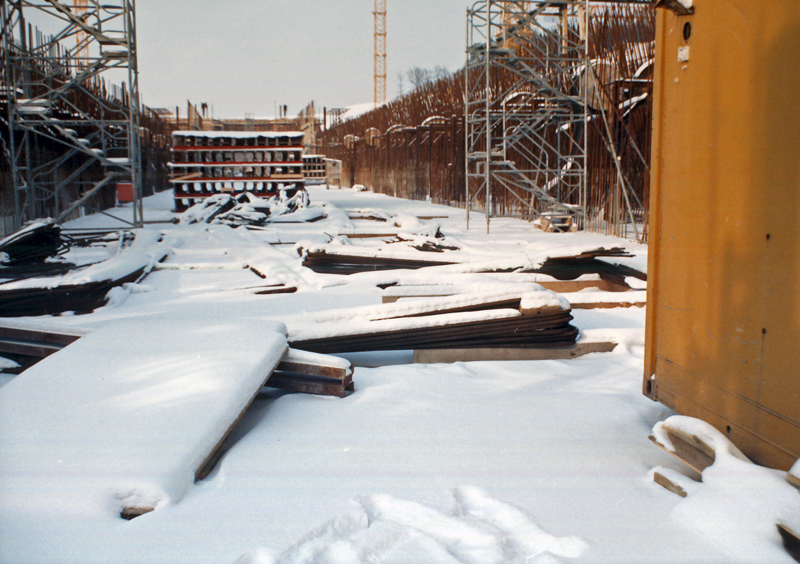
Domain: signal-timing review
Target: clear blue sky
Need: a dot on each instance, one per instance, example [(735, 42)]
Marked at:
[(244, 56)]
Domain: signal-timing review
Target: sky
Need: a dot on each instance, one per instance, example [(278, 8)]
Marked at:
[(248, 56)]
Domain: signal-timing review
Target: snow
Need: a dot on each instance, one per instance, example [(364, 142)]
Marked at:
[(486, 462), (738, 503), (127, 414)]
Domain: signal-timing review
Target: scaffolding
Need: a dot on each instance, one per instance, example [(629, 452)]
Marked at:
[(526, 108), (60, 110)]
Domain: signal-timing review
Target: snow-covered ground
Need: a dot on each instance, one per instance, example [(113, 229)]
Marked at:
[(479, 462)]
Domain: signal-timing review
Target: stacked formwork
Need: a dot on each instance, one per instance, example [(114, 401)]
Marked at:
[(207, 163), (314, 170)]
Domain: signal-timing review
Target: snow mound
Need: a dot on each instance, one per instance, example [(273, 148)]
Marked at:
[(479, 530), (738, 503)]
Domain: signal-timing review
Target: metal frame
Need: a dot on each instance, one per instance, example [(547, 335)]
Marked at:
[(379, 65), (526, 134), (47, 82)]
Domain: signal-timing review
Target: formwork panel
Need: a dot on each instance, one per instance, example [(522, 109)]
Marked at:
[(724, 273)]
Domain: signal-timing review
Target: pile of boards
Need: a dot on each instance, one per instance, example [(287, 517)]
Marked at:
[(336, 259), (154, 419), (534, 317), (349, 261)]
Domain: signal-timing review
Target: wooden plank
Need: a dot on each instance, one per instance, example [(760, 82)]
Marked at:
[(546, 330), (368, 235), (315, 364), (793, 480), (688, 451), (314, 370), (132, 512), (186, 177), (430, 356), (489, 303), (120, 393), (791, 540), (606, 305), (668, 484), (277, 290), (310, 384), (560, 286)]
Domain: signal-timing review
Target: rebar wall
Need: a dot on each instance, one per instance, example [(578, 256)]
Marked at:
[(62, 121), (593, 167)]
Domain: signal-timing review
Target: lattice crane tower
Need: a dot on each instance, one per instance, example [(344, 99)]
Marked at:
[(81, 37), (380, 52)]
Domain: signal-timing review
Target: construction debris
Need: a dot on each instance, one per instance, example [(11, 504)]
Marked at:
[(247, 209), (588, 262), (80, 289), (34, 243)]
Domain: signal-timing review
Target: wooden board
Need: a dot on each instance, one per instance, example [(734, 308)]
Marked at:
[(36, 340), (606, 305), (668, 484), (791, 540), (135, 402), (689, 450), (430, 356), (560, 286)]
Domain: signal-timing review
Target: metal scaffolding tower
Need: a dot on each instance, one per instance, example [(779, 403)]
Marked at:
[(526, 107), (63, 107), (380, 52)]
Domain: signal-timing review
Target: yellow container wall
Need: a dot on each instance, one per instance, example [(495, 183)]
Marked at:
[(723, 327)]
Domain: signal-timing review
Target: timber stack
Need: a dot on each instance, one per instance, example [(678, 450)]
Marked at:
[(208, 163)]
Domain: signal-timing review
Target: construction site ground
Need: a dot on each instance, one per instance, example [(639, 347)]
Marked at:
[(519, 461)]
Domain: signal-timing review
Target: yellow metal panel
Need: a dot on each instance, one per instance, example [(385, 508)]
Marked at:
[(724, 317)]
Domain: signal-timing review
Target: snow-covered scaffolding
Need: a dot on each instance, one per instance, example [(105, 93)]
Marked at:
[(526, 135), (59, 107)]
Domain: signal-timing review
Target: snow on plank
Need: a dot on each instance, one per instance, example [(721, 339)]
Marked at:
[(128, 417)]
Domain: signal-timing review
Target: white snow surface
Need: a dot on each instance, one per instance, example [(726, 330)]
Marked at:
[(126, 415), (478, 462)]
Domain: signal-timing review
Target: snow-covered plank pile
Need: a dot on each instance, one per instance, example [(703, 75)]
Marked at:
[(312, 373), (586, 298), (82, 289), (598, 263), (338, 259), (126, 418), (536, 317), (450, 284)]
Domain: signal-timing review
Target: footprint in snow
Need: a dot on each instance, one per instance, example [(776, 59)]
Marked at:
[(480, 530)]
